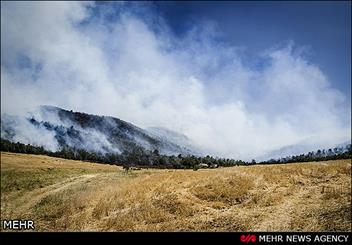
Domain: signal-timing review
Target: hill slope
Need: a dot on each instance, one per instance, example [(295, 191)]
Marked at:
[(54, 128)]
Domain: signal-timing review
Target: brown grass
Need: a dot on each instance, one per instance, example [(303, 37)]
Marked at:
[(64, 195)]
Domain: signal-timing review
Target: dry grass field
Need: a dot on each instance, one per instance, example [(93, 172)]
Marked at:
[(65, 195)]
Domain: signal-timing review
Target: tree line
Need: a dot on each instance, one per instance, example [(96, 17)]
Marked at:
[(141, 158), (319, 155)]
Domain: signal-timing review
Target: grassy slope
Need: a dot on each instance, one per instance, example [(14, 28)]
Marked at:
[(72, 195)]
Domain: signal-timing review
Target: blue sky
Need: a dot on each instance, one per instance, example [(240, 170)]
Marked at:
[(323, 27), (240, 79)]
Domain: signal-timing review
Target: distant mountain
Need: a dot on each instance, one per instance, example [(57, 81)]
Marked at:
[(298, 149), (54, 128), (176, 138)]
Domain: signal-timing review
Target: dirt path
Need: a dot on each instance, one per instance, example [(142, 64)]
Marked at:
[(30, 199)]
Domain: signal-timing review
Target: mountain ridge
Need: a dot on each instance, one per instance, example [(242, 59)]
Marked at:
[(104, 134)]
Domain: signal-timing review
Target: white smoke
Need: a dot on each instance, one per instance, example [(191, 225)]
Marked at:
[(27, 133), (21, 129), (61, 53)]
